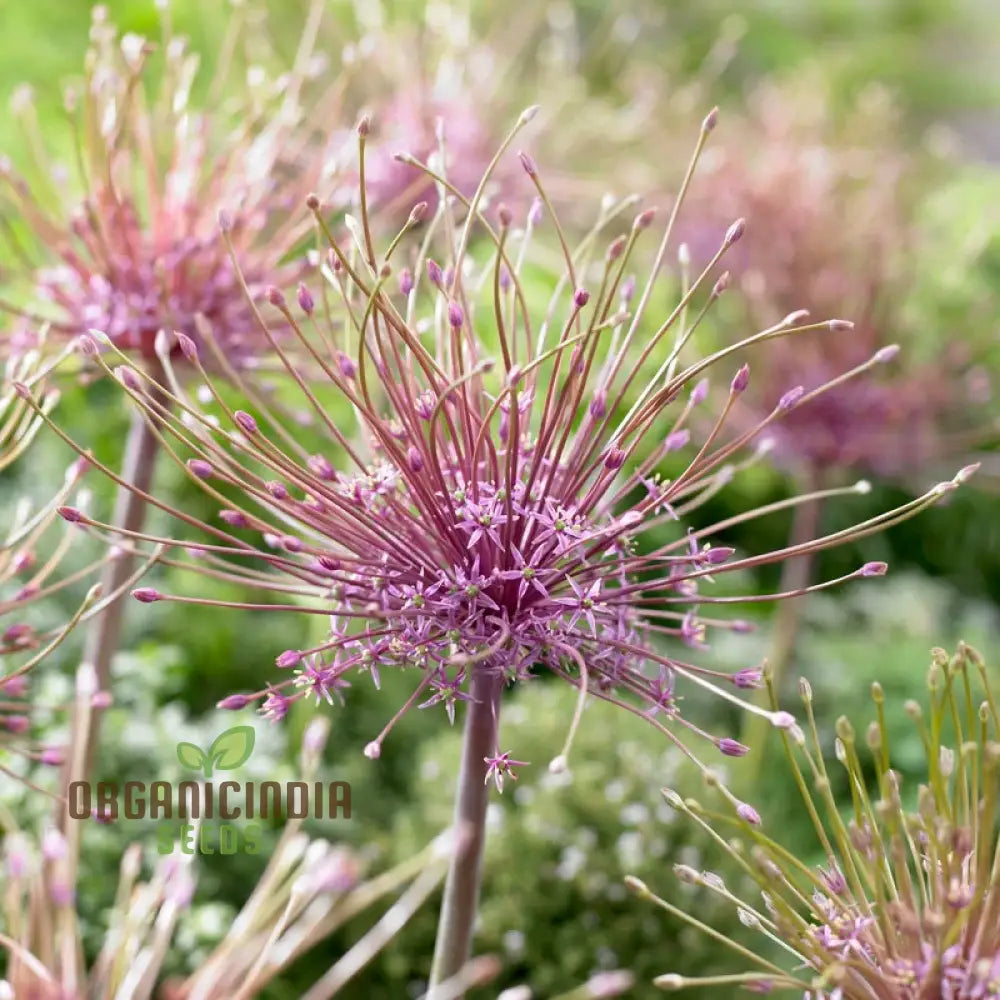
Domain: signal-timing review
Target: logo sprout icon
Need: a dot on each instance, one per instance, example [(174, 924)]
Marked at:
[(228, 751)]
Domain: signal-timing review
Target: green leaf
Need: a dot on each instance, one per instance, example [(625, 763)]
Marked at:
[(192, 757), (232, 747)]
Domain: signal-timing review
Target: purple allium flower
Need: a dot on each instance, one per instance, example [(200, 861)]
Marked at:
[(829, 231), (475, 525), (905, 907), (132, 246)]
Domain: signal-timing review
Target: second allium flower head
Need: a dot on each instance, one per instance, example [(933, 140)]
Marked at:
[(129, 239), (498, 506)]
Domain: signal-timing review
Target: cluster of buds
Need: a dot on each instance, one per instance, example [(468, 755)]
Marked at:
[(498, 506), (906, 906)]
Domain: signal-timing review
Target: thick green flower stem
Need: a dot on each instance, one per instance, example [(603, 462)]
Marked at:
[(796, 574), (461, 888), (104, 632)]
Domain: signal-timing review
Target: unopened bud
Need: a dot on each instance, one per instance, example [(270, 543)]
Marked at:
[(234, 702)]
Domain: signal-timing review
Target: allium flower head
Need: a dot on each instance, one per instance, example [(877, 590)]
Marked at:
[(503, 486), (905, 907), (129, 242), (828, 230)]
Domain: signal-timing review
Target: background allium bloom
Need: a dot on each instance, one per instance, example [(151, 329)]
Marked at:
[(138, 250), (417, 123), (905, 907), (828, 230), (497, 506)]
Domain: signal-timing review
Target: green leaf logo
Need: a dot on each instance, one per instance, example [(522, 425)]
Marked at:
[(228, 751)]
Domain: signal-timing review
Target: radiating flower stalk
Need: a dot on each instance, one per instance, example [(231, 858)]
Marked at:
[(830, 226), (134, 248), (489, 499), (33, 557), (907, 903), (309, 890)]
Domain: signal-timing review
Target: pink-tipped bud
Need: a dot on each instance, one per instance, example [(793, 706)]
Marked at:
[(530, 168), (711, 120), (740, 380), (86, 344), (102, 699), (645, 219), (291, 544), (700, 392), (748, 814), (434, 272), (406, 281), (599, 405), (225, 221), (874, 569), (147, 595), (840, 325), (52, 757), (246, 423), (321, 467), (373, 750), (581, 297), (128, 377), (234, 702), (717, 554), (347, 366), (306, 301), (187, 347), (418, 212), (364, 125), (277, 490), (721, 284), (782, 720), (289, 658), (790, 398), (312, 202), (748, 679), (414, 459), (234, 518), (274, 295), (505, 216), (455, 315), (614, 459), (616, 248), (15, 723), (71, 514), (627, 289), (886, 354), (200, 468), (677, 439), (735, 232), (732, 748)]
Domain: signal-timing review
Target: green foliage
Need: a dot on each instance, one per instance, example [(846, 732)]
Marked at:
[(554, 906)]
